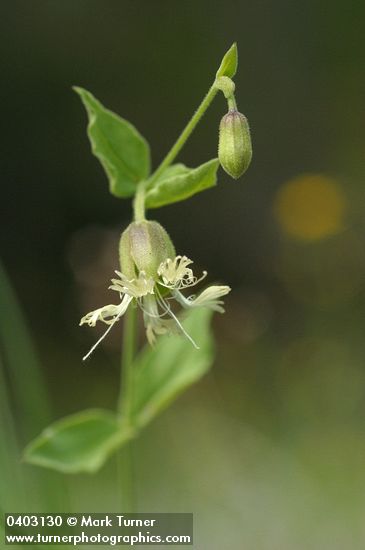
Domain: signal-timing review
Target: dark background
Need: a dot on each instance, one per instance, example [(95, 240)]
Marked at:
[(279, 424)]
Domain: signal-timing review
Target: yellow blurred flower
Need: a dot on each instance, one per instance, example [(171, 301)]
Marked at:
[(310, 207)]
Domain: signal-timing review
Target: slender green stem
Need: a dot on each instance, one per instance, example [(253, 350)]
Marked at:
[(138, 203), (125, 403), (125, 460), (185, 134), (125, 400), (232, 105)]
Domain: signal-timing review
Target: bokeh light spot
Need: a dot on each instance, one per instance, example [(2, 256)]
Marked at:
[(310, 207)]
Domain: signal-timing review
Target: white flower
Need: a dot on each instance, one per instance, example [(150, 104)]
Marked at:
[(153, 295), (176, 274), (207, 298), (108, 314)]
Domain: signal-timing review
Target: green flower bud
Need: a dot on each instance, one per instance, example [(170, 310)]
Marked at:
[(235, 149), (143, 247)]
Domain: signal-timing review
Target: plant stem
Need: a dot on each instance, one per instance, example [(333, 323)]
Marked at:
[(185, 134), (125, 408), (232, 105), (125, 400), (138, 203), (125, 403)]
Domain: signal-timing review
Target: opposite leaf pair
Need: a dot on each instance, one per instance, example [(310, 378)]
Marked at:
[(125, 157), (84, 441)]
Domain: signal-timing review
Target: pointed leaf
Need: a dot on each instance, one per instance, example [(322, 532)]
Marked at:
[(228, 66), (163, 372), (78, 443), (173, 170), (122, 151), (178, 183)]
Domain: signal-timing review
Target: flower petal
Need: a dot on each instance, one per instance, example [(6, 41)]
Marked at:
[(176, 274), (208, 298), (106, 314), (136, 288), (101, 315)]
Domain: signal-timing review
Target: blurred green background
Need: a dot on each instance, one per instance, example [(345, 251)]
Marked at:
[(268, 450)]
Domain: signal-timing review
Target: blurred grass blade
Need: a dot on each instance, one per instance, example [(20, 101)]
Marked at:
[(11, 480), (21, 364), (24, 410), (163, 372)]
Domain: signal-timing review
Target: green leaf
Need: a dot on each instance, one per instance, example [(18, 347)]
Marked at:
[(228, 66), (163, 372), (179, 182), (173, 170), (122, 151), (78, 443)]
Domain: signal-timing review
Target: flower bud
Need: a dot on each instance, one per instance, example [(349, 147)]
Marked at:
[(143, 247), (235, 149)]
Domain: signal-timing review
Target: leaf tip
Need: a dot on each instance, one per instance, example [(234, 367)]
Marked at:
[(89, 101), (78, 89), (228, 66)]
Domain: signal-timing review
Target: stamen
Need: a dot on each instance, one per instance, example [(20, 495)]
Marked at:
[(168, 309), (153, 316)]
